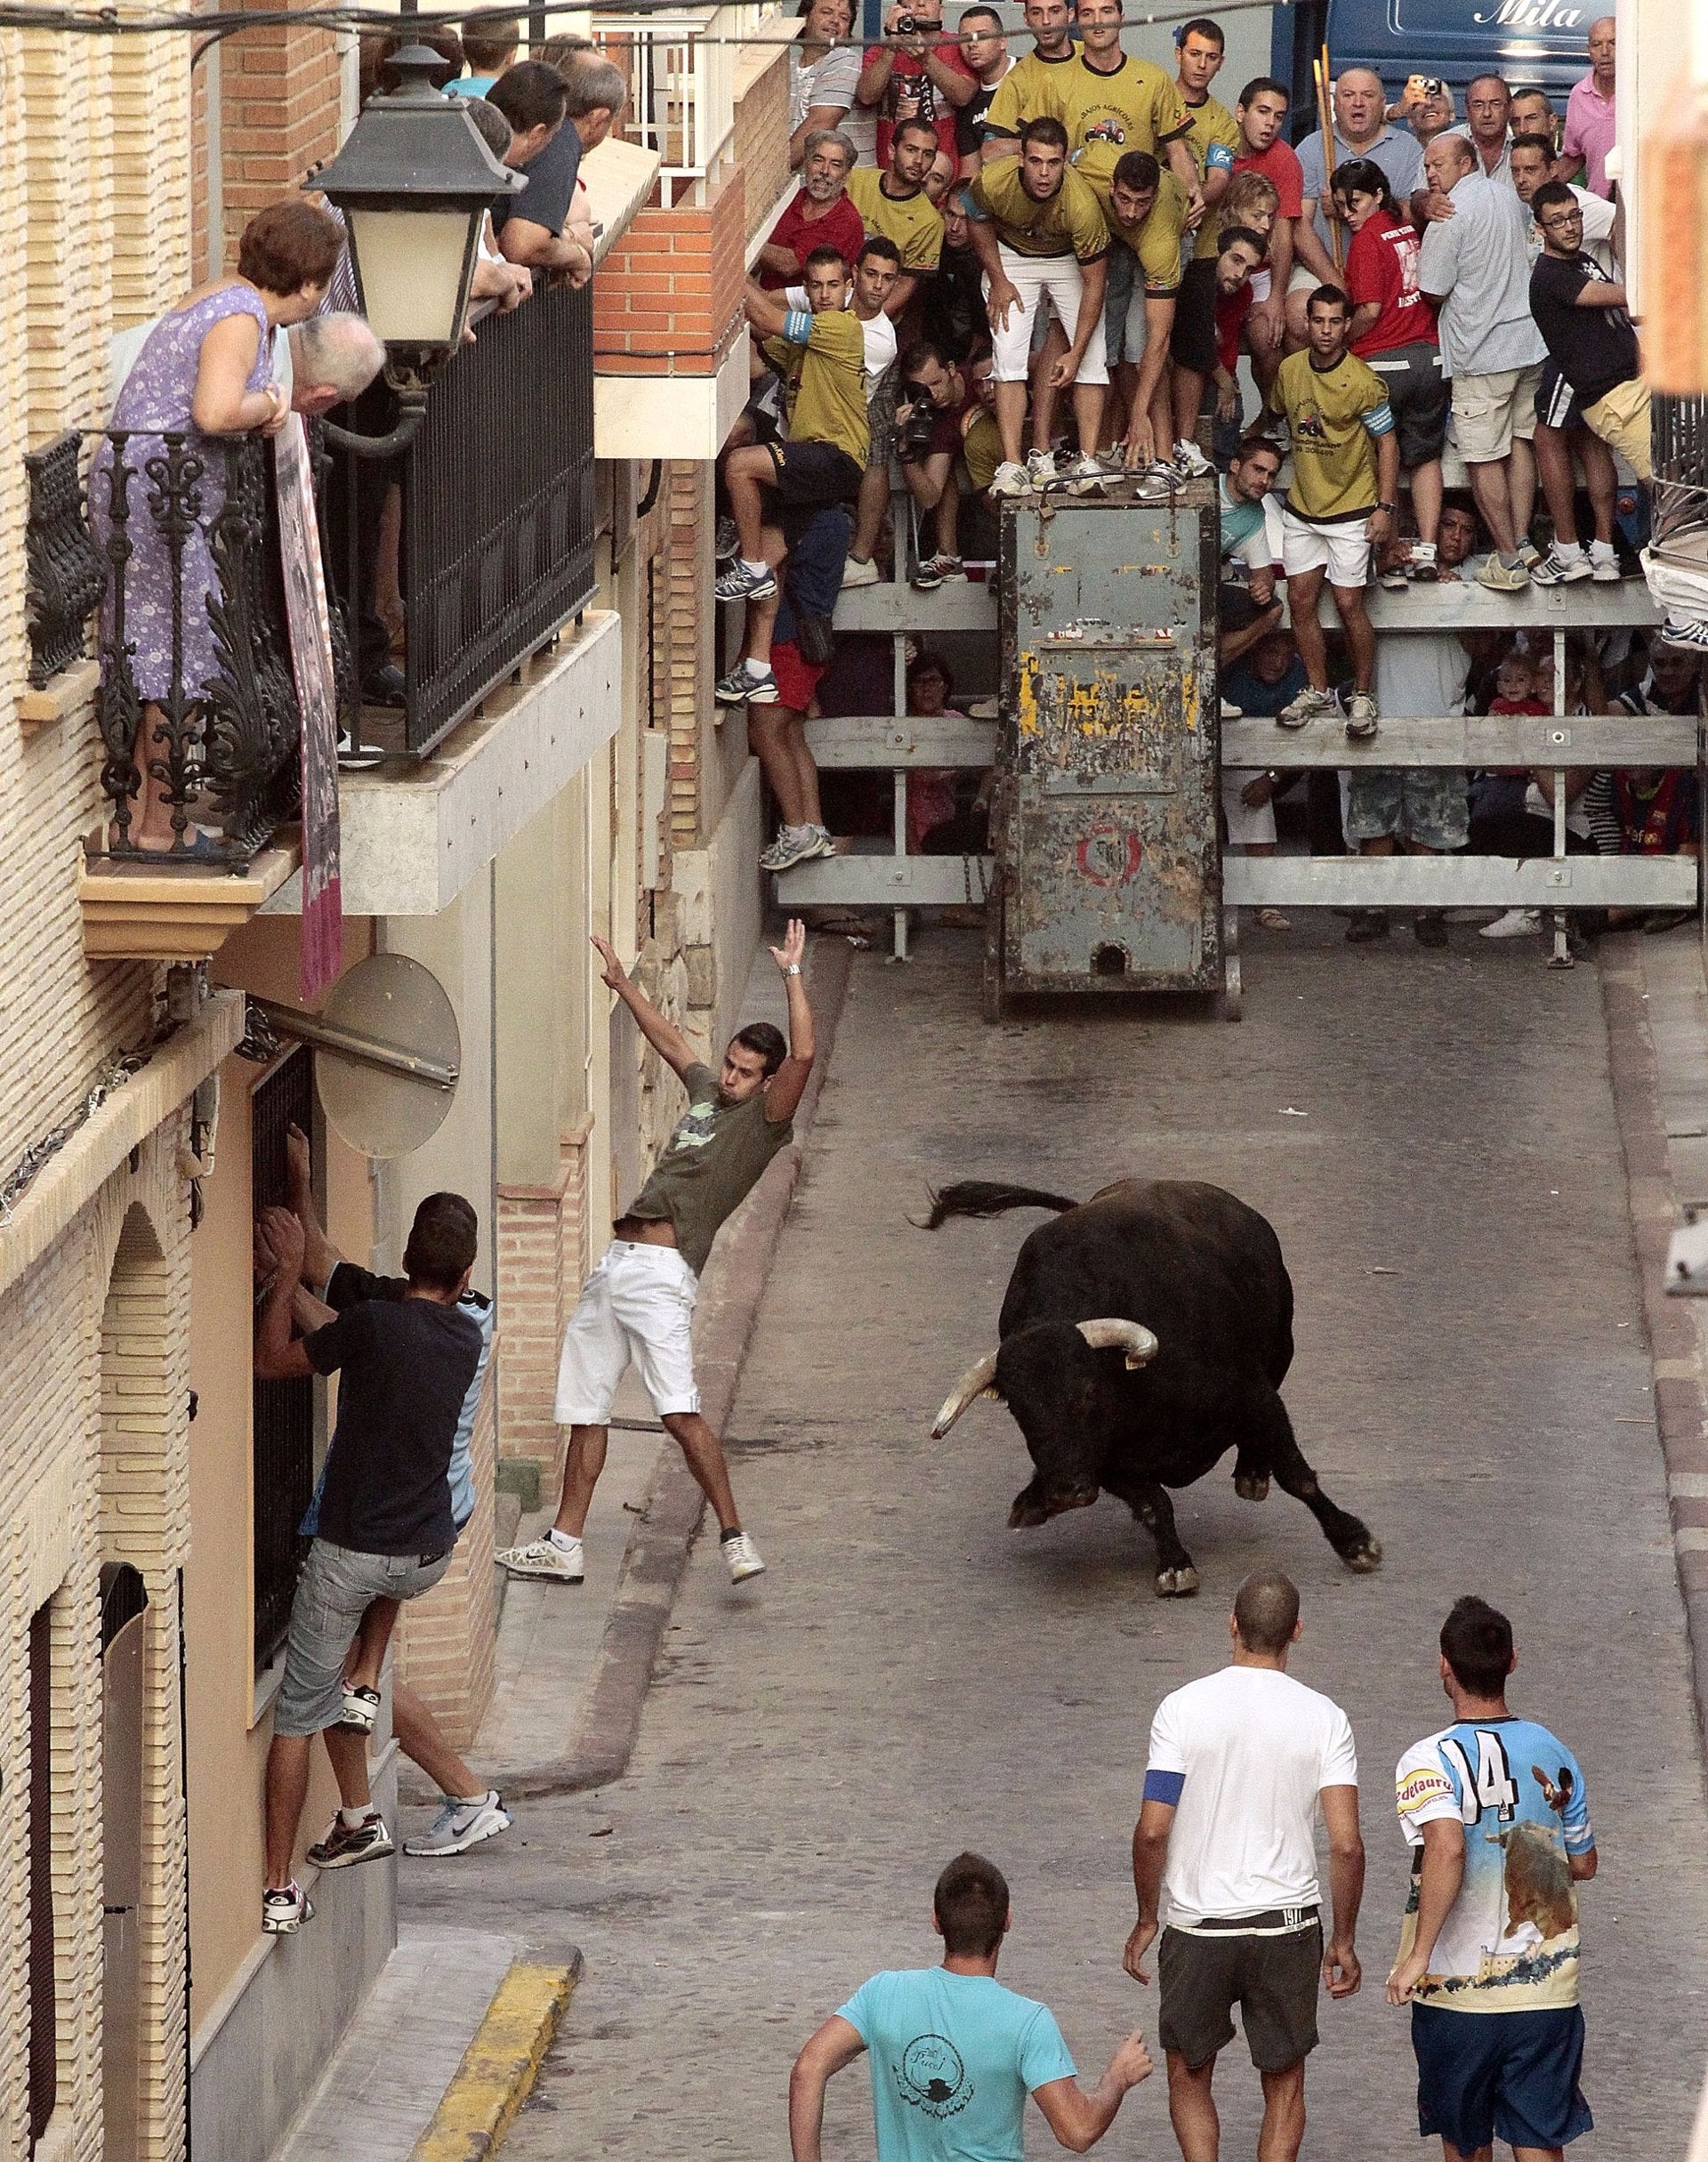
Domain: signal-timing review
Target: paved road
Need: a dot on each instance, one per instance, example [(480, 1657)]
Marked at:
[(912, 1677)]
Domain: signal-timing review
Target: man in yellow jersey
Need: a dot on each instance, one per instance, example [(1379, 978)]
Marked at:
[(1024, 92), (1146, 215), (820, 351), (1345, 478), (1213, 137), (895, 204), (1038, 232)]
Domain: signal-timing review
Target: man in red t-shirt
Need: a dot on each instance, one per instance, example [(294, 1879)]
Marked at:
[(1260, 114), (922, 75), (820, 215), (1393, 331)]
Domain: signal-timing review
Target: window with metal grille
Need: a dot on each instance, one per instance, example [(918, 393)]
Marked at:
[(284, 1410), (43, 2009)]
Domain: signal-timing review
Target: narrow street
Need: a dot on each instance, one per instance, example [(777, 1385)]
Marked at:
[(1433, 1137)]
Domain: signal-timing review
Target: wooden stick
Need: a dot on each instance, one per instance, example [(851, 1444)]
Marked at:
[(1325, 107)]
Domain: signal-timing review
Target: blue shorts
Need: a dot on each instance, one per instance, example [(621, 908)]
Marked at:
[(1483, 2075)]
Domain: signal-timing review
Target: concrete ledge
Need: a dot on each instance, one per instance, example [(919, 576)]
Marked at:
[(499, 2066), (660, 1543), (670, 416)]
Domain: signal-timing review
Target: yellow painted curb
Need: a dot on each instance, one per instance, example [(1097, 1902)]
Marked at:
[(498, 2067)]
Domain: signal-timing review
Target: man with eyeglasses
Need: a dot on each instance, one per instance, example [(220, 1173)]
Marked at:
[(1584, 316)]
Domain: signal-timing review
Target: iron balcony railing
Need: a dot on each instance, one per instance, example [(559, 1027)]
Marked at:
[(496, 536)]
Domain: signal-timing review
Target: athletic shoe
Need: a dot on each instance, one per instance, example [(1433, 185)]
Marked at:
[(1113, 460), (461, 1825), (361, 1708), (283, 1913), (1429, 927), (1529, 552), (1190, 459), (1232, 713), (343, 1847), (1009, 479), (728, 540), (544, 1559), (1040, 468), (1362, 716), (1309, 705), (796, 845), (1682, 631), (1516, 923), (1083, 476), (935, 570), (1604, 565), (1367, 923), (1558, 570), (746, 684), (744, 581), (1503, 577), (1425, 569), (858, 571), (1393, 578), (742, 1558)]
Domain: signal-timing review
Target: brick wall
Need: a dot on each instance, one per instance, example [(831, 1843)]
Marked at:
[(667, 299), (447, 1640), (690, 624), (279, 115), (761, 145)]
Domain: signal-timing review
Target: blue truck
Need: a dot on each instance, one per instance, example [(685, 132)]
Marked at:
[(1528, 41)]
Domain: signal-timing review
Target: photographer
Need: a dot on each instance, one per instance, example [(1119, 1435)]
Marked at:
[(933, 398)]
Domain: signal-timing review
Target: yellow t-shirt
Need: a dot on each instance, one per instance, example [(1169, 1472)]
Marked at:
[(1068, 222), (911, 220), (982, 448), (1334, 414), (1213, 137), (1027, 93), (827, 375), (1135, 108), (1157, 242)]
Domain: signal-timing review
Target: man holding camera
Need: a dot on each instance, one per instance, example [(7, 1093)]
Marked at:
[(917, 74), (934, 408)]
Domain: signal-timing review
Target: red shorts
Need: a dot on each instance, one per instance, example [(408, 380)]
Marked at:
[(797, 681)]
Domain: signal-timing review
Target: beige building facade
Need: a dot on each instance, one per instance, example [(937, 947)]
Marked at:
[(148, 1540)]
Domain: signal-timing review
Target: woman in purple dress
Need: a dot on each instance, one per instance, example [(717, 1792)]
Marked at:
[(206, 371)]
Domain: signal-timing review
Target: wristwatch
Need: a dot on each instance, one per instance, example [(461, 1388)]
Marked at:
[(1388, 507), (791, 968)]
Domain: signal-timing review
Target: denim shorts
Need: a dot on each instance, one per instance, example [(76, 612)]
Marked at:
[(335, 1589)]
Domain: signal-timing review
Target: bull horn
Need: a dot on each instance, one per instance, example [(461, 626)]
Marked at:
[(1129, 1337), (976, 1382)]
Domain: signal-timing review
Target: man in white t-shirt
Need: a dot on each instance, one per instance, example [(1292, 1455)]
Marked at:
[(1240, 1764)]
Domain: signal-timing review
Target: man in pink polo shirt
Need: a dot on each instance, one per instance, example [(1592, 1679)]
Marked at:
[(1590, 130)]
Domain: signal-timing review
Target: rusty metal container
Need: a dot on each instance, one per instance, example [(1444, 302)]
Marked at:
[(1108, 865)]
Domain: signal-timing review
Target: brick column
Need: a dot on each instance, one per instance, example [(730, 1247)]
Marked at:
[(279, 114)]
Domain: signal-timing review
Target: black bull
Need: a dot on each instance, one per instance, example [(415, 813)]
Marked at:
[(1144, 1334)]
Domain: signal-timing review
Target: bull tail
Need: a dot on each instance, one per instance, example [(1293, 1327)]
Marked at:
[(988, 1197)]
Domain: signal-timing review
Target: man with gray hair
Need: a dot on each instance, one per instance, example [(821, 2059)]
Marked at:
[(820, 215), (332, 357), (540, 231), (1241, 1764)]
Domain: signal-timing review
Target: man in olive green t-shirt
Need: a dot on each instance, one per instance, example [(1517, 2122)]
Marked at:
[(639, 1303)]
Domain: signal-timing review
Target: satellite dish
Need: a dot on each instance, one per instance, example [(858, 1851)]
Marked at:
[(395, 1054)]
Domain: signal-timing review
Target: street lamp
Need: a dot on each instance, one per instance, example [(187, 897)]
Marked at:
[(413, 180)]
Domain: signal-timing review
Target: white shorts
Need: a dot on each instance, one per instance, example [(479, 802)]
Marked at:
[(1342, 549), (1244, 824), (637, 1304), (1034, 277)]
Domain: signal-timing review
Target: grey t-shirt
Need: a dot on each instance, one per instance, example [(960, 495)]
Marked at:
[(1395, 151), (714, 1162), (1477, 260)]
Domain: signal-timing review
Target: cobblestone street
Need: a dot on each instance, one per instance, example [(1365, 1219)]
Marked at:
[(1434, 1139)]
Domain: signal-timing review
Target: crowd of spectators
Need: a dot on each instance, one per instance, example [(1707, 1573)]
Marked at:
[(1128, 280)]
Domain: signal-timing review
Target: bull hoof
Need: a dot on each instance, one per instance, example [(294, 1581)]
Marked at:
[(1363, 1555), (1177, 1583), (1249, 1488)]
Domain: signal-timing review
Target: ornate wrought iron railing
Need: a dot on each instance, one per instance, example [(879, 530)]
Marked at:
[(219, 744), (495, 545)]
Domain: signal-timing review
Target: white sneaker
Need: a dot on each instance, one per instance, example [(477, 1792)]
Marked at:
[(1603, 564), (1040, 468), (1362, 716), (283, 1913), (796, 845), (1190, 459), (857, 573), (742, 1558), (1516, 923), (545, 1558), (1083, 476), (1558, 567), (461, 1825), (1008, 479), (1232, 713), (361, 1709), (1309, 705)]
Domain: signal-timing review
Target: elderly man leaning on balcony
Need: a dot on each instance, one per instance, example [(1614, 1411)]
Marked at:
[(543, 232)]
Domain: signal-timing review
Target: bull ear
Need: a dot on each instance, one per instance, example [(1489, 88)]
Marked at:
[(978, 1381), (1132, 1337)]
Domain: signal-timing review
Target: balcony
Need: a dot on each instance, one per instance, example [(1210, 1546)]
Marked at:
[(495, 519), (709, 100)]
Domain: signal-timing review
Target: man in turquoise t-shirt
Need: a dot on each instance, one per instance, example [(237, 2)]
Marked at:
[(954, 2054)]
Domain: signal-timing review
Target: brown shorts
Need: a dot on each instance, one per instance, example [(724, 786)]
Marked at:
[(1273, 1980)]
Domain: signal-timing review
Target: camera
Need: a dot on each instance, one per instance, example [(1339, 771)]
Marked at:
[(914, 435), (1432, 85), (905, 25)]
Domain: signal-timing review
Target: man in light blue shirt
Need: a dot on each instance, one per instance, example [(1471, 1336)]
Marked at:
[(1360, 130), (954, 2053)]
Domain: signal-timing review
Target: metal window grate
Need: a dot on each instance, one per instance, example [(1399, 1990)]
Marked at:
[(284, 1410)]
